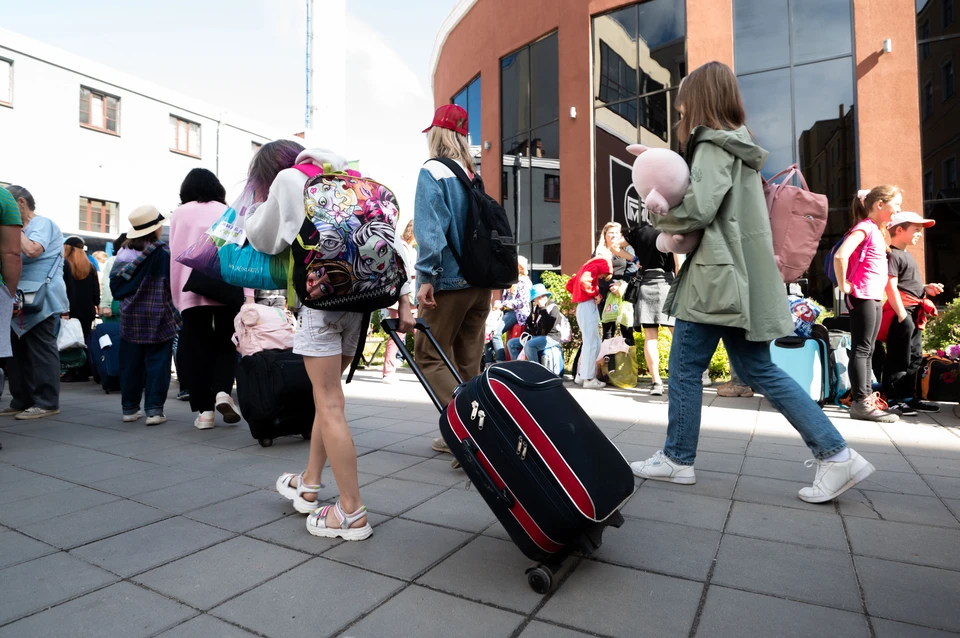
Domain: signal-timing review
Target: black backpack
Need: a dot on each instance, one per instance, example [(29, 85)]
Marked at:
[(489, 258)]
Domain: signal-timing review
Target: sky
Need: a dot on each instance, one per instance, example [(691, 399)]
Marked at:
[(247, 57), (244, 55)]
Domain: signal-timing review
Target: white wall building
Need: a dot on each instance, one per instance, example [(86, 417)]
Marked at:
[(92, 143)]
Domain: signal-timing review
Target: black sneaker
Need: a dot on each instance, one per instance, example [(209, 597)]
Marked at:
[(923, 406), (902, 408)]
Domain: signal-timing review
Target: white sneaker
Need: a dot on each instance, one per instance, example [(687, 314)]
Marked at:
[(205, 421), (390, 378), (660, 468), (578, 379), (594, 383), (227, 408), (833, 479), (156, 419), (706, 380), (130, 418)]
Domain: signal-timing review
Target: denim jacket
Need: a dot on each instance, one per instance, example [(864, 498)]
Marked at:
[(440, 215)]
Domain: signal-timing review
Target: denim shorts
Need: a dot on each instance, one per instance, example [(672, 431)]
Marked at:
[(325, 333)]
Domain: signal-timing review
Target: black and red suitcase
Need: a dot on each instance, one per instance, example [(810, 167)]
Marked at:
[(551, 476)]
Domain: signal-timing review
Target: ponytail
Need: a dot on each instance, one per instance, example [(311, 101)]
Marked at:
[(864, 200)]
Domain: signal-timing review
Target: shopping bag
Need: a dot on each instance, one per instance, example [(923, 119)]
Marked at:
[(624, 370), (224, 253), (71, 335), (611, 308)]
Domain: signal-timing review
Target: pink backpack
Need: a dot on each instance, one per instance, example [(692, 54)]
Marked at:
[(262, 328), (797, 219)]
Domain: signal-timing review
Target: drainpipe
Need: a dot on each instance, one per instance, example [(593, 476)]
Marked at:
[(217, 165)]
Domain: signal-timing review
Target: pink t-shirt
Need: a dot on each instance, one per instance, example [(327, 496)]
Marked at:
[(867, 268), (188, 224)]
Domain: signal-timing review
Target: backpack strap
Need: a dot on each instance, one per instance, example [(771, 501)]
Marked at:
[(464, 179), (364, 325), (309, 169)]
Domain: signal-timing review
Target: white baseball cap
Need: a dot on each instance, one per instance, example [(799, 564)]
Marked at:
[(906, 217)]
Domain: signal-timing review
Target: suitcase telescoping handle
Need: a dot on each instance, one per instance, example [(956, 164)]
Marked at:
[(390, 325)]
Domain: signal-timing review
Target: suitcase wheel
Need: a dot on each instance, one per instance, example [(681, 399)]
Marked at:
[(540, 579), (266, 442)]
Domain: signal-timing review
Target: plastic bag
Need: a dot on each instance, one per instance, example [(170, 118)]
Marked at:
[(224, 253), (611, 308), (71, 335), (621, 368)]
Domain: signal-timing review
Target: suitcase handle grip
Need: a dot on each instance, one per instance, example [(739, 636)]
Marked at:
[(391, 325), (480, 476)]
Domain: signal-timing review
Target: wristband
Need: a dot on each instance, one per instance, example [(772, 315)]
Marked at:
[(635, 260)]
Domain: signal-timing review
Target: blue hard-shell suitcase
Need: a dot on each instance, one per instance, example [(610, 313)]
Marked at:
[(105, 362), (806, 360)]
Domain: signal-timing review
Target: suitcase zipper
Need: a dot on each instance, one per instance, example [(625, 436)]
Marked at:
[(475, 411)]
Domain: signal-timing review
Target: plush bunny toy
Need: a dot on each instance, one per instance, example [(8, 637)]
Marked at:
[(661, 178)]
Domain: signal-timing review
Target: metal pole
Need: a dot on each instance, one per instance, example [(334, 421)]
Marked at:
[(309, 65)]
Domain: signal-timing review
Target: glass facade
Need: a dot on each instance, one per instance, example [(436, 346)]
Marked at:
[(530, 124), (469, 99), (639, 58), (938, 53), (794, 62)]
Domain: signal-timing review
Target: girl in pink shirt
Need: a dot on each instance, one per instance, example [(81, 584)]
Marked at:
[(861, 267)]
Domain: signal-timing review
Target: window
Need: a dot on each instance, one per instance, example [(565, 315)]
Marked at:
[(923, 33), (99, 111), (98, 216), (504, 191), (950, 173), (948, 88), (6, 82), (184, 136), (795, 67), (947, 13), (927, 98), (530, 124), (469, 99), (928, 185), (639, 58), (551, 188)]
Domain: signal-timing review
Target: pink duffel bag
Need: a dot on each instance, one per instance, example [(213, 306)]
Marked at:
[(262, 328), (798, 218)]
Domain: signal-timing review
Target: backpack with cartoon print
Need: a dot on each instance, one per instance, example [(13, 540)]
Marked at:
[(344, 257)]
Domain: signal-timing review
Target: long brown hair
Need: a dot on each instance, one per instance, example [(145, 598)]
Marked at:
[(883, 193), (80, 266), (710, 97)]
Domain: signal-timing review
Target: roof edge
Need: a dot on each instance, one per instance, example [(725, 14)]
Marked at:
[(453, 19)]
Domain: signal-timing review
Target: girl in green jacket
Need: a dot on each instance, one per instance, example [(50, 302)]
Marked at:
[(730, 288)]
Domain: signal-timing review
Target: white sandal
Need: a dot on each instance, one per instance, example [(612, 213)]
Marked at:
[(317, 524), (295, 494)]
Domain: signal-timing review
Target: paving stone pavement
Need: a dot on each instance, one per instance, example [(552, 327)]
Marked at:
[(117, 529)]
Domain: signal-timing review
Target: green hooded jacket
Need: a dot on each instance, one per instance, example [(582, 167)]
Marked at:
[(731, 278)]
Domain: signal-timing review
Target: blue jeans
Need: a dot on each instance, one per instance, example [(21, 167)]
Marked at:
[(144, 371), (693, 346), (588, 318), (533, 348), (509, 321)]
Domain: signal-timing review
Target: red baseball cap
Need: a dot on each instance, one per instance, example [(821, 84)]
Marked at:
[(450, 116)]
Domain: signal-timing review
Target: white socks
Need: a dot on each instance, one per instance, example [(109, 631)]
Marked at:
[(840, 457)]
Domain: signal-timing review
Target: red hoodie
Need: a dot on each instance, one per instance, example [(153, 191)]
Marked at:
[(585, 285)]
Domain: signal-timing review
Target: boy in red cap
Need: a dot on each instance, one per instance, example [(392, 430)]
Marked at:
[(905, 313)]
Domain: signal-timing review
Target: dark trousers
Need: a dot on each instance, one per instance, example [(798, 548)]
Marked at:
[(610, 330), (34, 369), (206, 355), (904, 357), (865, 317), (144, 372)]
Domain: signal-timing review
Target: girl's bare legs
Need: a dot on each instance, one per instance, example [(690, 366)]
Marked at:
[(331, 435), (651, 353)]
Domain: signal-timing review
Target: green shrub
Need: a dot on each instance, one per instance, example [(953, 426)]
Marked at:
[(944, 330), (719, 364)]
